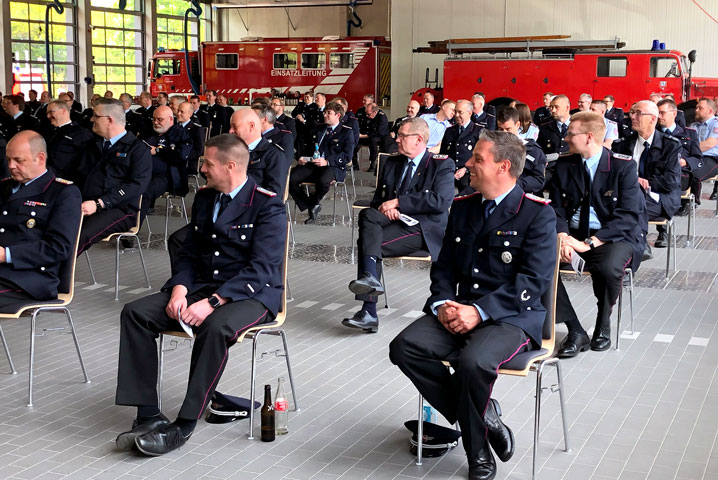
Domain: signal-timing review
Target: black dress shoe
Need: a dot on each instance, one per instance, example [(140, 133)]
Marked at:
[(647, 253), (601, 340), (714, 196), (500, 436), (662, 240), (313, 214), (368, 284), (126, 440), (482, 465), (161, 440), (574, 343), (364, 321), (684, 210)]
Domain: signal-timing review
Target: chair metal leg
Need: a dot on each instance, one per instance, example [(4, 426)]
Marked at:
[(620, 313), (184, 211), (334, 206), (168, 206), (354, 188), (149, 230), (289, 368), (7, 352), (674, 233), (89, 265), (77, 344), (346, 196), (32, 358), (142, 260), (630, 297), (420, 430), (559, 376), (537, 415), (160, 368), (252, 384), (117, 268), (668, 252), (289, 293), (289, 219), (386, 294)]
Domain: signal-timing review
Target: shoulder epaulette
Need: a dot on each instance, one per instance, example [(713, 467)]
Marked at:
[(549, 120), (347, 127), (464, 197), (622, 156), (268, 193), (618, 140), (440, 157), (668, 135), (531, 196), (196, 124), (276, 145), (62, 180)]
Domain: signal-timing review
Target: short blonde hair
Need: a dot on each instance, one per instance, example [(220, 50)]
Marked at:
[(591, 122)]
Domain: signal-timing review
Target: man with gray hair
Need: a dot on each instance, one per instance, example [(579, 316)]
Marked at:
[(496, 261), (66, 142), (459, 141), (133, 120), (407, 215), (273, 133), (113, 173)]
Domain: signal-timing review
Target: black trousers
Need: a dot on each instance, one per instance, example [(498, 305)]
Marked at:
[(708, 170), (606, 264), (100, 224), (475, 357), (380, 237), (322, 178), (12, 297), (141, 322)]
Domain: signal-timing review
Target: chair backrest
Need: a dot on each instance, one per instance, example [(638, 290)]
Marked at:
[(379, 163), (285, 196), (549, 302), (67, 269), (138, 223), (283, 305), (203, 137)]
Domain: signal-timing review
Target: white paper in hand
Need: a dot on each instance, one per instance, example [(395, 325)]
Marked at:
[(577, 263), (187, 329), (408, 220)]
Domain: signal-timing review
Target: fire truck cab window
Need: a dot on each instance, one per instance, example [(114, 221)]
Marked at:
[(285, 60), (314, 60), (341, 60), (226, 61), (664, 67), (167, 67), (611, 67)]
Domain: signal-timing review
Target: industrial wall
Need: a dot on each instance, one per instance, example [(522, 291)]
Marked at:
[(685, 25)]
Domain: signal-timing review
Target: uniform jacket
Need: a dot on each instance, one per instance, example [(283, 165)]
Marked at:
[(432, 109), (65, 147), (40, 225), (460, 147), (337, 147), (615, 196), (503, 264), (268, 166), (242, 252), (663, 170), (541, 115), (10, 126), (352, 122), (429, 196), (145, 114), (31, 107), (201, 117), (289, 124), (3, 161), (283, 139), (487, 119), (197, 135), (135, 123), (216, 119), (170, 159), (534, 173), (550, 139), (362, 119), (690, 146), (119, 176), (378, 127)]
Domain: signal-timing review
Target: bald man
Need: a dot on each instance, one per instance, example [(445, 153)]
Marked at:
[(198, 134), (552, 131), (268, 164), (39, 225)]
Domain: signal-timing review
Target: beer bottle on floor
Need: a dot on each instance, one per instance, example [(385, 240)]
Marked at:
[(268, 416)]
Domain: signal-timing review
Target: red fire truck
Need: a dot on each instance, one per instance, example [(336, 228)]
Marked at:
[(243, 70), (525, 67)]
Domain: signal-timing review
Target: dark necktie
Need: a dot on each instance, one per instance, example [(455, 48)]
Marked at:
[(643, 160), (584, 216), (461, 129), (564, 128), (106, 146), (488, 206), (224, 200), (406, 181)]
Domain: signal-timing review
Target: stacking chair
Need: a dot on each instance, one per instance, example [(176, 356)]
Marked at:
[(132, 233), (362, 204), (168, 211), (195, 176), (66, 292), (714, 180), (691, 232), (672, 242), (272, 328), (534, 360), (418, 256), (342, 186)]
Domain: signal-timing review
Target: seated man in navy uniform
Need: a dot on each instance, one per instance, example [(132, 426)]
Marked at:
[(336, 145), (496, 261), (416, 183), (459, 141), (226, 278), (196, 133), (377, 128), (275, 134), (283, 122), (534, 174), (693, 168), (552, 131), (38, 227), (113, 173), (66, 142), (542, 113), (657, 160), (484, 115), (216, 113), (16, 120), (599, 212), (427, 104), (170, 147)]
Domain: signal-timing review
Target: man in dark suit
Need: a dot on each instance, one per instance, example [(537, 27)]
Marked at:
[(377, 129), (16, 120), (485, 304), (459, 141), (199, 115), (216, 114), (76, 106), (616, 114), (482, 114), (534, 174), (228, 277), (427, 105), (361, 115), (273, 133), (552, 131), (412, 110), (600, 210), (334, 144), (33, 104), (197, 133), (67, 142), (542, 113), (133, 120), (228, 111), (417, 184), (288, 122), (145, 112), (657, 160), (38, 228), (113, 173)]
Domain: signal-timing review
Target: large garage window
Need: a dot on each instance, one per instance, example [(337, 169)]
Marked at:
[(170, 25), (314, 60), (226, 61), (117, 46), (27, 25), (612, 66)]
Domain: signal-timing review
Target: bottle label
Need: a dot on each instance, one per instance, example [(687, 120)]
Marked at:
[(281, 405)]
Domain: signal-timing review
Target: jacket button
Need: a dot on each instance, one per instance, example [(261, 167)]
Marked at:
[(481, 250), (42, 269), (4, 212), (476, 286), (528, 308), (216, 272), (213, 235), (243, 237), (2, 230), (458, 239), (476, 270), (506, 243), (32, 214), (216, 254)]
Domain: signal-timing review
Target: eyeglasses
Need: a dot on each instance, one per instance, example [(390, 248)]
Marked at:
[(94, 116), (404, 135), (633, 113)]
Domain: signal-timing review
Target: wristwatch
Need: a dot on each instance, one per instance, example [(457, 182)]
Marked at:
[(98, 205), (213, 302), (589, 242)]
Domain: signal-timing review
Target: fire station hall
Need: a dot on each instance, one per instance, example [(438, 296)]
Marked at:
[(358, 239)]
